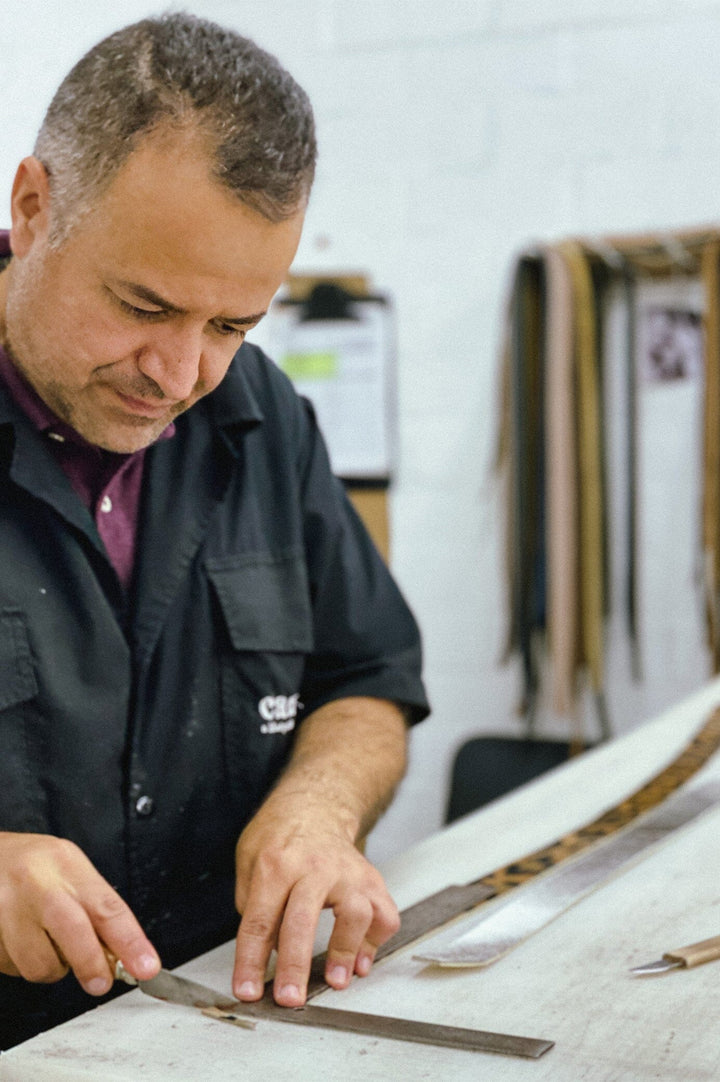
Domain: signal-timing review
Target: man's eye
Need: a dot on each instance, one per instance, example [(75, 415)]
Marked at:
[(229, 330), (139, 313)]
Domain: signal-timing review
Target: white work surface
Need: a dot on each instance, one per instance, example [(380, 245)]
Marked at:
[(568, 983)]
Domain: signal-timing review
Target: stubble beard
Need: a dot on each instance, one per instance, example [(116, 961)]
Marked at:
[(96, 422)]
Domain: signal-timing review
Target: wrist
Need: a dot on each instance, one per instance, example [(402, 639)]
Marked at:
[(307, 799)]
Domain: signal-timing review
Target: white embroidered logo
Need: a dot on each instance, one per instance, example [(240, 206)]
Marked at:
[(278, 713)]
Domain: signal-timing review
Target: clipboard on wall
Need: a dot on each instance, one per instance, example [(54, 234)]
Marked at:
[(335, 339)]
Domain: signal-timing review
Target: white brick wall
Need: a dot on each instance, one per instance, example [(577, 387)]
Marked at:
[(452, 133)]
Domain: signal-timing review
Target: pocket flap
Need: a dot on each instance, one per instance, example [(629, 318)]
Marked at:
[(265, 601)]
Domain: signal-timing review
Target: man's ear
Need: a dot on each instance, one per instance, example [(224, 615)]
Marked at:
[(29, 206)]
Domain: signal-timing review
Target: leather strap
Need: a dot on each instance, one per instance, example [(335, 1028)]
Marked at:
[(526, 486), (562, 482), (710, 271), (592, 571)]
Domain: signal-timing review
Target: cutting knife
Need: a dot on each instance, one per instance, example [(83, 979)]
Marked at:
[(707, 950), (174, 989)]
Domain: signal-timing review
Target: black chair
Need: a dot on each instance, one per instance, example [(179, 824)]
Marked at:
[(487, 767)]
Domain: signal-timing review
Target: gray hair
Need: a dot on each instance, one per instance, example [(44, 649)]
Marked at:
[(179, 71)]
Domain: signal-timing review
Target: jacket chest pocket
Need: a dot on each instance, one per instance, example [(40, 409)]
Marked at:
[(266, 635), (19, 796)]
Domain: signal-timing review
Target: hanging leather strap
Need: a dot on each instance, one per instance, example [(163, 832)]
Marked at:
[(505, 465), (562, 483), (710, 271), (590, 465), (527, 422), (631, 399)]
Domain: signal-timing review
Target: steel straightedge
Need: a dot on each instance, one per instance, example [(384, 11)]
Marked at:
[(393, 1029), (547, 897)]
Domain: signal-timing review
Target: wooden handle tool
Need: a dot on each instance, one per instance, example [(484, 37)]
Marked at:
[(707, 950)]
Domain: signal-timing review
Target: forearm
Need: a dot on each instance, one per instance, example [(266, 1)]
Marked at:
[(348, 760)]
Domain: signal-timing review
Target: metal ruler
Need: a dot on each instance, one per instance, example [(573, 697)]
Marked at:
[(437, 909), (550, 895), (380, 1025)]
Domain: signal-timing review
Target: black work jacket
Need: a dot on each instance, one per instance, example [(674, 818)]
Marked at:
[(147, 728)]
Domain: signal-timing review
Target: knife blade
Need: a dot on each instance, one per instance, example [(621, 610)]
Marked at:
[(707, 950), (175, 989), (537, 903)]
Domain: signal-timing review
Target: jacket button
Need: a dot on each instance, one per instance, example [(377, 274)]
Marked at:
[(144, 806)]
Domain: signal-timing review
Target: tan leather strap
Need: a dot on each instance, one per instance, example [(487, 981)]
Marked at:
[(710, 270), (589, 462), (561, 520)]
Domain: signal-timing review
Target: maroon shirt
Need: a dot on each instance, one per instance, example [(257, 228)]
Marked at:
[(109, 484)]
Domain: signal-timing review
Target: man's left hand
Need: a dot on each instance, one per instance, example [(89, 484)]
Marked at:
[(285, 879), (298, 855)]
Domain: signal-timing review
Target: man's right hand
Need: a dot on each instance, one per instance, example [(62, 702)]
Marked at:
[(57, 913)]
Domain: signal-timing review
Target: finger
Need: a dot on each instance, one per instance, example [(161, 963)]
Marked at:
[(365, 958), (32, 954), (360, 928), (115, 926), (353, 917), (81, 951), (7, 964), (296, 939), (79, 942), (255, 941)]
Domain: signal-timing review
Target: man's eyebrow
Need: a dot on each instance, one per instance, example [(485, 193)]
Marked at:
[(149, 295)]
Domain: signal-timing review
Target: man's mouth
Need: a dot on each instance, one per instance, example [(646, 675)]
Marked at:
[(143, 407)]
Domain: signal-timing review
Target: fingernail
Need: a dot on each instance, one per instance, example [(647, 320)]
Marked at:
[(147, 964), (290, 995), (363, 965), (248, 990), (337, 975), (98, 986)]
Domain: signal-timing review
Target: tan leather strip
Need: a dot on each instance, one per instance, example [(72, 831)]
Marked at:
[(561, 518), (695, 755), (710, 265), (590, 462)]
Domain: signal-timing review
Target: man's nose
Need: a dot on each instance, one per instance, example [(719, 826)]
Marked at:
[(172, 359)]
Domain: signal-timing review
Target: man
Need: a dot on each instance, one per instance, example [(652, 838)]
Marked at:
[(206, 671)]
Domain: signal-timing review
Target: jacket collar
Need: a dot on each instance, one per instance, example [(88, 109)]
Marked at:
[(234, 402)]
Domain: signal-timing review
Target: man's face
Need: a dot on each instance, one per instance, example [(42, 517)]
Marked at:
[(139, 312)]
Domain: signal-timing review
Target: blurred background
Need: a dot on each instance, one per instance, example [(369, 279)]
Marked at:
[(452, 136)]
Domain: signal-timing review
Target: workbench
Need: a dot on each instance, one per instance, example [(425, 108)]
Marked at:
[(568, 983)]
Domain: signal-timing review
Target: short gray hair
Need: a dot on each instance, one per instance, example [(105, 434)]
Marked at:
[(171, 71)]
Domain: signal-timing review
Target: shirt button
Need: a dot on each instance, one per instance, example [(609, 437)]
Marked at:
[(144, 806), (106, 504)]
